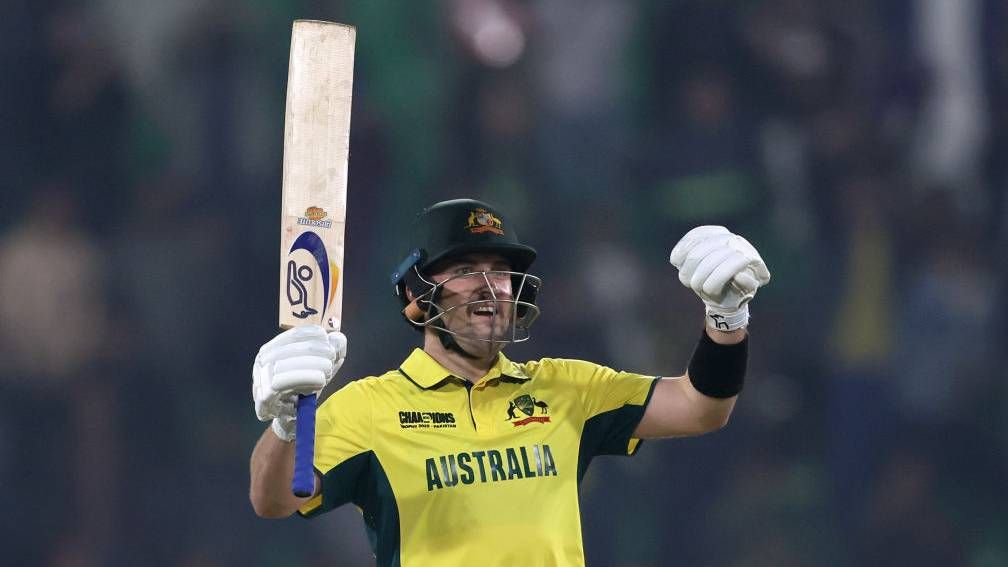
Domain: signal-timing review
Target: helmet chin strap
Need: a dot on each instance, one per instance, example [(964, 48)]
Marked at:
[(448, 341)]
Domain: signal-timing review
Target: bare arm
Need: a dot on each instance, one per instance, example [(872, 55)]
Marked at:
[(272, 469), (677, 409)]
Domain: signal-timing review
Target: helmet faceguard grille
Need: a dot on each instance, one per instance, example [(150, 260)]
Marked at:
[(518, 308)]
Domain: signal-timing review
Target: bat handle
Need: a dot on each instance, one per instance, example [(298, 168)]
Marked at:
[(303, 483)]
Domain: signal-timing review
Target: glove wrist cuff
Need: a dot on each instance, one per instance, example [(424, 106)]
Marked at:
[(280, 431), (720, 320)]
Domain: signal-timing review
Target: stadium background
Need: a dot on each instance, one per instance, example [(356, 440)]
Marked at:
[(861, 146)]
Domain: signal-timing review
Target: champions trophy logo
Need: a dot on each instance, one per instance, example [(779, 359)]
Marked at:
[(527, 405), (315, 213), (482, 220), (306, 258)]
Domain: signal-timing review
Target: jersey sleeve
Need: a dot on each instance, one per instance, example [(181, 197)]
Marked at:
[(613, 402), (343, 442)]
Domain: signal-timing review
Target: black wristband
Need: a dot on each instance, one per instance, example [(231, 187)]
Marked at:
[(717, 370)]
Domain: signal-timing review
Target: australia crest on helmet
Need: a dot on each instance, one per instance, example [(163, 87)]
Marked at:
[(481, 220)]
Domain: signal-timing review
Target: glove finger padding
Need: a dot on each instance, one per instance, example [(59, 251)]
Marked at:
[(691, 239), (760, 271), (745, 282), (295, 335), (301, 381), (759, 267), (731, 265), (320, 348), (338, 342), (261, 389), (697, 254), (303, 363), (706, 266)]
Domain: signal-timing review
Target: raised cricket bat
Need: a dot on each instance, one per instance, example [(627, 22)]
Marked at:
[(313, 210)]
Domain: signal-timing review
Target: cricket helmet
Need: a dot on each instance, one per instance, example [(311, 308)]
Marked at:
[(447, 230)]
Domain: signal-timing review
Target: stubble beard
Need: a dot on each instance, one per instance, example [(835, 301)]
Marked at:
[(480, 335)]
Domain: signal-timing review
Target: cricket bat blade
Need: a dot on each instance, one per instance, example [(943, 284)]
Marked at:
[(313, 208)]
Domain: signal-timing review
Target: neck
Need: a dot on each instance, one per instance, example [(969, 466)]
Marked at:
[(472, 369)]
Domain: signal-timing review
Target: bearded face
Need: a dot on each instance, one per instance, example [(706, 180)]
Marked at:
[(476, 302)]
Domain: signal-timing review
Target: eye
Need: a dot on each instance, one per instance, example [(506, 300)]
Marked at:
[(464, 270)]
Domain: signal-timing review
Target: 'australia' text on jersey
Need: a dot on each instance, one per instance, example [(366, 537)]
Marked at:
[(491, 465)]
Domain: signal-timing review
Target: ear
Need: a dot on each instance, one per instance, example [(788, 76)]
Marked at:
[(412, 311)]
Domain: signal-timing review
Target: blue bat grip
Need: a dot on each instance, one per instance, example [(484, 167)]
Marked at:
[(304, 447)]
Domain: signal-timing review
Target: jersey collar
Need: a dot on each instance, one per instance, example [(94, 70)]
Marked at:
[(421, 369)]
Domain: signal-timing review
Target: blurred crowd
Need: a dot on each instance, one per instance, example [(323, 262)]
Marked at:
[(861, 146)]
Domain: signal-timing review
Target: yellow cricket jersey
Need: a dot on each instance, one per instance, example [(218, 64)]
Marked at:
[(451, 473)]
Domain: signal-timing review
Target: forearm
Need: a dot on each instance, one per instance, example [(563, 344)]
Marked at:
[(677, 409), (272, 469), (713, 412), (702, 400), (709, 414)]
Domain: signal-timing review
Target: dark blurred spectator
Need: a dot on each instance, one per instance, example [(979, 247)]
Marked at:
[(952, 123), (770, 513), (63, 451), (945, 319), (490, 159), (859, 402), (702, 164), (23, 106), (905, 522), (576, 73), (51, 303), (803, 54), (88, 112)]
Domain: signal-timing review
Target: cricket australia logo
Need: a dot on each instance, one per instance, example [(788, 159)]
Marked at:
[(312, 277), (482, 220), (529, 407)]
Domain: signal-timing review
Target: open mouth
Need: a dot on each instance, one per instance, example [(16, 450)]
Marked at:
[(488, 310)]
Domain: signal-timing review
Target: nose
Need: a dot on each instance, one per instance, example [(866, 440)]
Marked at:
[(499, 284)]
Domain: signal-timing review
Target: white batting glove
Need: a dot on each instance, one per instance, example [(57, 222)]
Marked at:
[(724, 270), (301, 360)]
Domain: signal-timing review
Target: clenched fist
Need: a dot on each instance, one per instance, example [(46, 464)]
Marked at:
[(301, 360), (724, 270)]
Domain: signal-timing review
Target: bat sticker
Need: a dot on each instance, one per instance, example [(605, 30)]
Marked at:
[(296, 276), (298, 294)]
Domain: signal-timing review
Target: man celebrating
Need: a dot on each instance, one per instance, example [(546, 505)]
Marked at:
[(461, 456)]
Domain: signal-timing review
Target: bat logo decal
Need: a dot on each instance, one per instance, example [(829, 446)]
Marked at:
[(296, 276), (298, 294)]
